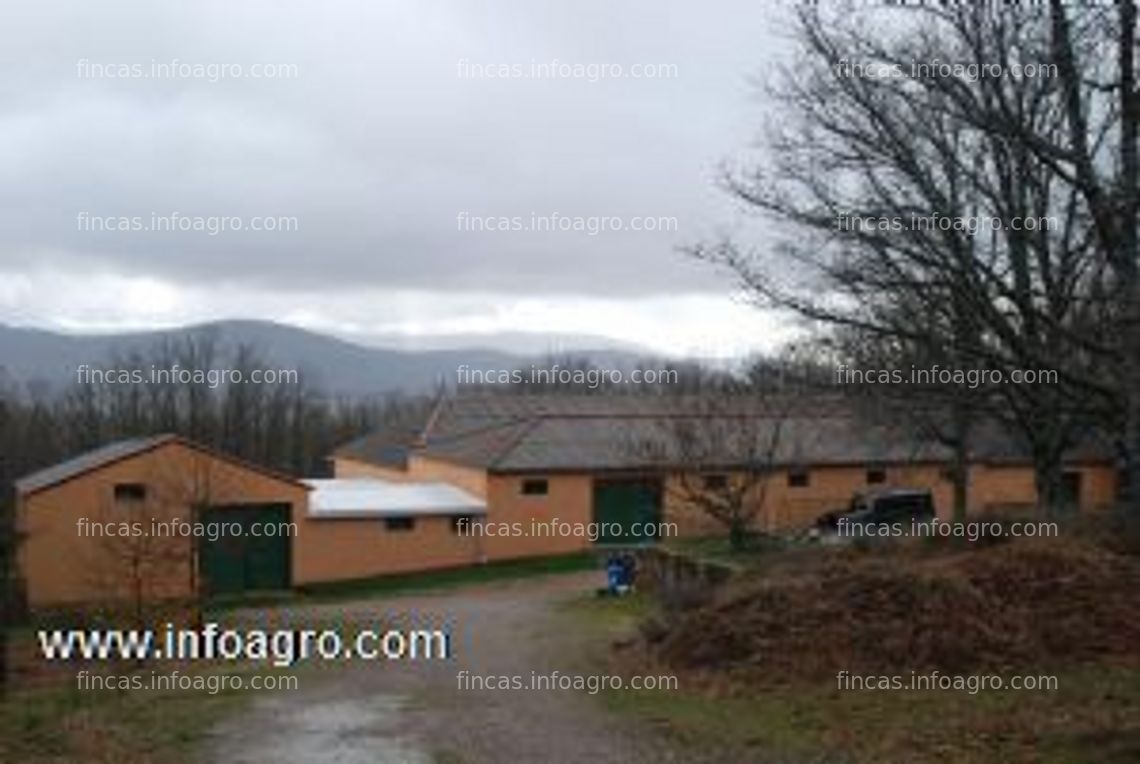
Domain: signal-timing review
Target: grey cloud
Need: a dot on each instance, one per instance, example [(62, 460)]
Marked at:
[(377, 146)]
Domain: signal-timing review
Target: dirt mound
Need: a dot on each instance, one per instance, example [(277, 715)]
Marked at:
[(989, 609)]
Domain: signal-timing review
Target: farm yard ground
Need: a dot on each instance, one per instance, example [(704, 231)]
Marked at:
[(373, 712), (745, 691)]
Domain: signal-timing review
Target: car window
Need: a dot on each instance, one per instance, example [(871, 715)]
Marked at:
[(895, 508)]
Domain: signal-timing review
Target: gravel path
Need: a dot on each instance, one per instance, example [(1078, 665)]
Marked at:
[(414, 712)]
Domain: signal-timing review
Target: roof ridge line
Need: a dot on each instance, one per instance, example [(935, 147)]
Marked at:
[(496, 425), (422, 435), (506, 451)]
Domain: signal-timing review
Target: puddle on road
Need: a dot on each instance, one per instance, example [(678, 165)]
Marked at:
[(345, 731)]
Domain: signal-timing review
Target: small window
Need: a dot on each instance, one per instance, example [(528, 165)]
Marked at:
[(798, 479), (130, 492), (535, 487), (399, 523), (876, 476), (716, 482), (462, 525)]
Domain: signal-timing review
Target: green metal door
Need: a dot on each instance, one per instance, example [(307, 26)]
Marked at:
[(627, 511), (253, 551)]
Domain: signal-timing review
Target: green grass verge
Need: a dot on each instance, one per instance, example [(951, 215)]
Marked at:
[(491, 572), (65, 723), (367, 588), (717, 549), (610, 616), (335, 591), (1093, 716)]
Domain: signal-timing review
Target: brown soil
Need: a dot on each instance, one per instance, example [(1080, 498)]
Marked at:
[(1000, 607)]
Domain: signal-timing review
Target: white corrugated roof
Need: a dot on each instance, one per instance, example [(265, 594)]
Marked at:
[(369, 497)]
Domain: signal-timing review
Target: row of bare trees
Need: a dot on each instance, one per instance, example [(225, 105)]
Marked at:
[(972, 221), (289, 424), (580, 374)]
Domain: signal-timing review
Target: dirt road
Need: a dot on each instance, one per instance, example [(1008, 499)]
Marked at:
[(415, 712)]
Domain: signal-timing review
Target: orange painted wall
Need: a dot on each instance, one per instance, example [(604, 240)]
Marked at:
[(995, 487), (569, 500), (331, 549), (339, 549), (472, 479), (420, 469), (1099, 486), (351, 468), (831, 488), (828, 489), (362, 548), (60, 566)]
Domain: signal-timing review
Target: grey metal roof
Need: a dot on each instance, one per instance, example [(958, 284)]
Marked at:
[(508, 433), (596, 443), (389, 447), (481, 447), (85, 462), (537, 432), (125, 449)]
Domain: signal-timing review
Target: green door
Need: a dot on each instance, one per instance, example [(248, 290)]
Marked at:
[(627, 511), (253, 552), (1071, 492)]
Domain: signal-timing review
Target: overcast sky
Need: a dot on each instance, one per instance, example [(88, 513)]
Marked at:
[(379, 133)]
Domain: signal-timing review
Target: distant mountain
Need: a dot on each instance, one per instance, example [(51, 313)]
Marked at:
[(36, 355), (530, 344)]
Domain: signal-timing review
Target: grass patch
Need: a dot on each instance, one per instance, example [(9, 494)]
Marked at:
[(772, 725), (449, 578), (1093, 716), (314, 594), (63, 722), (717, 549), (689, 718), (612, 615)]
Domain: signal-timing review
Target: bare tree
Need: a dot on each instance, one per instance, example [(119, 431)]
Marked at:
[(870, 175), (9, 579), (128, 559), (289, 424), (1089, 146), (148, 539), (720, 453), (13, 459)]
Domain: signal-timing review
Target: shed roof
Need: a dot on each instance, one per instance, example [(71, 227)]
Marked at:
[(88, 461), (342, 498), (119, 450), (549, 432)]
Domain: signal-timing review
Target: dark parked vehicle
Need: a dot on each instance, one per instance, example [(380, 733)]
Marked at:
[(889, 506)]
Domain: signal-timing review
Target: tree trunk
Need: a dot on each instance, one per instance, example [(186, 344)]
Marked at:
[(139, 606), (5, 609), (1128, 254), (1131, 487), (737, 534), (1048, 482), (960, 469)]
